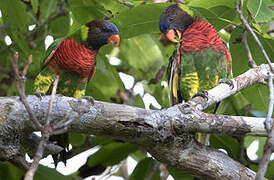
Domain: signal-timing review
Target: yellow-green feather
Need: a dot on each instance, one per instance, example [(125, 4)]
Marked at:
[(84, 32)]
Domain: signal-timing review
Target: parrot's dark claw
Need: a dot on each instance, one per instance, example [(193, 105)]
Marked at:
[(90, 99), (227, 81), (203, 94), (39, 95)]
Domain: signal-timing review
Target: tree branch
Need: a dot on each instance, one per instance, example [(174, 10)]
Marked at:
[(161, 132), (245, 23), (20, 84), (269, 145)]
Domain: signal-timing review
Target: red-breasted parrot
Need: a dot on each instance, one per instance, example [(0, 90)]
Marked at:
[(74, 62), (201, 58)]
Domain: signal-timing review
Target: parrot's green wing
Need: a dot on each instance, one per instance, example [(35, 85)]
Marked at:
[(50, 52), (173, 76), (201, 70)]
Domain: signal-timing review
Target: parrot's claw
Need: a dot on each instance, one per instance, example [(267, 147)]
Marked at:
[(203, 94), (90, 99), (39, 95), (227, 81)]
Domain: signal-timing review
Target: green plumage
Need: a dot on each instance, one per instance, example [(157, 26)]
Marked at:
[(199, 70)]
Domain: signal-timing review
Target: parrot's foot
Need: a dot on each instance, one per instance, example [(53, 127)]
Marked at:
[(90, 99), (227, 81), (39, 94), (203, 94)]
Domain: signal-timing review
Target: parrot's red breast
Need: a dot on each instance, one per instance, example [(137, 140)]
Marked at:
[(75, 57)]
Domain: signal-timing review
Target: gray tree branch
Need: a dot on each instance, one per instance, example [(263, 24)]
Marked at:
[(166, 134)]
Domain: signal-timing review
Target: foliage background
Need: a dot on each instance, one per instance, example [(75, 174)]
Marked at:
[(142, 56)]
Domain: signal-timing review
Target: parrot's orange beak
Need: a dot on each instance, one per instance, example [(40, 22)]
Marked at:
[(174, 35), (114, 39)]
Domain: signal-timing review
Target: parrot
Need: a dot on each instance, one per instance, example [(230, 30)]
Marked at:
[(200, 61), (74, 62)]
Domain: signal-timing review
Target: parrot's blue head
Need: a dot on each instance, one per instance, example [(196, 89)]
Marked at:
[(173, 22), (164, 24), (101, 32)]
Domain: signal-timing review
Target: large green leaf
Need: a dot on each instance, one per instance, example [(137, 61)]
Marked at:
[(10, 172), (138, 101), (139, 20), (111, 154), (249, 139), (212, 3), (261, 9), (85, 11), (60, 26), (141, 56), (77, 139), (177, 175), (47, 8), (231, 145), (144, 168), (14, 13), (45, 173), (216, 20), (257, 95)]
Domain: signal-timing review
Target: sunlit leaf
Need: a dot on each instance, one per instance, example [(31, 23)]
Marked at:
[(144, 168), (111, 154)]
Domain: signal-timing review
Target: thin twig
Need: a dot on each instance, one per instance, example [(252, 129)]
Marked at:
[(269, 145), (268, 121), (124, 169), (245, 23), (251, 62), (25, 70), (38, 156), (46, 132), (20, 84), (53, 93)]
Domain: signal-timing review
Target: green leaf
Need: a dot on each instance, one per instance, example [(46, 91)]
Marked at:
[(139, 20), (101, 140), (257, 95), (47, 8), (160, 93), (144, 168), (113, 7), (141, 56), (10, 172), (249, 139), (14, 13), (77, 139), (138, 101), (111, 154), (35, 5), (260, 10), (60, 26), (230, 144), (138, 155), (45, 173), (85, 11), (176, 174), (218, 22), (212, 3)]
